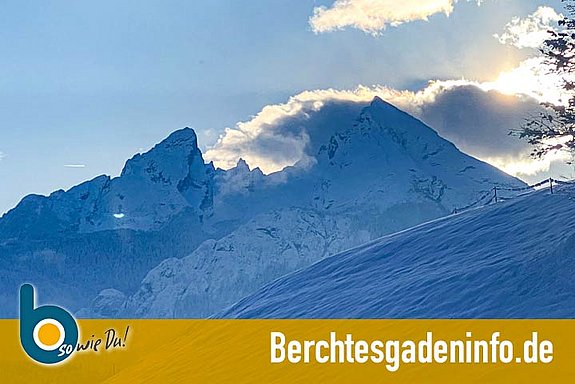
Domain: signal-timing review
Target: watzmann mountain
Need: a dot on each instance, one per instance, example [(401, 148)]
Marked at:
[(174, 237)]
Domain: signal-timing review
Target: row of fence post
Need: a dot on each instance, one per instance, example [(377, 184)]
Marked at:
[(496, 196), (495, 189)]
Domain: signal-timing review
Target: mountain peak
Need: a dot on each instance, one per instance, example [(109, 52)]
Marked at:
[(156, 185), (185, 137), (379, 104), (242, 164), (385, 132), (176, 151)]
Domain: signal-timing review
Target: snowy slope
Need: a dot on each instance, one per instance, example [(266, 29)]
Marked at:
[(383, 172), (510, 260)]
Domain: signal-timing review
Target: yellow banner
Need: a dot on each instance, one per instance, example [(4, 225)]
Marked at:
[(303, 351)]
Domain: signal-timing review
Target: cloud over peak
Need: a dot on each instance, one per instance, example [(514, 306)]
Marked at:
[(373, 16), (278, 135), (475, 116)]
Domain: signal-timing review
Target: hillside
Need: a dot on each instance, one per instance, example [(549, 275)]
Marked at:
[(509, 260)]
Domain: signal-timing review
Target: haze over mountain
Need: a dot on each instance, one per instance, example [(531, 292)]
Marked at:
[(368, 171)]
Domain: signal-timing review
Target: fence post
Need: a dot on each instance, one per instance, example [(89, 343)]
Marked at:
[(551, 184), (495, 190)]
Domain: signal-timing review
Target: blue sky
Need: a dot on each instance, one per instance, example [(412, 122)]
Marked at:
[(93, 82)]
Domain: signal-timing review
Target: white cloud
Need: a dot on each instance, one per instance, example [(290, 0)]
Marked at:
[(373, 16), (531, 31), (2, 155), (75, 165)]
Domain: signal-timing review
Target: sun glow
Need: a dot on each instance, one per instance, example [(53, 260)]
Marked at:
[(531, 78)]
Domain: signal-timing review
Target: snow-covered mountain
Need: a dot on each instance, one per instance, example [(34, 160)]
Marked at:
[(383, 172), (153, 188), (508, 260), (220, 272), (220, 235)]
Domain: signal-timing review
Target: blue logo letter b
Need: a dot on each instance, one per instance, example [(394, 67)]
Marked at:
[(45, 329)]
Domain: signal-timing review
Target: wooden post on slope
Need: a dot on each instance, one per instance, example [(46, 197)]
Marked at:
[(551, 184)]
